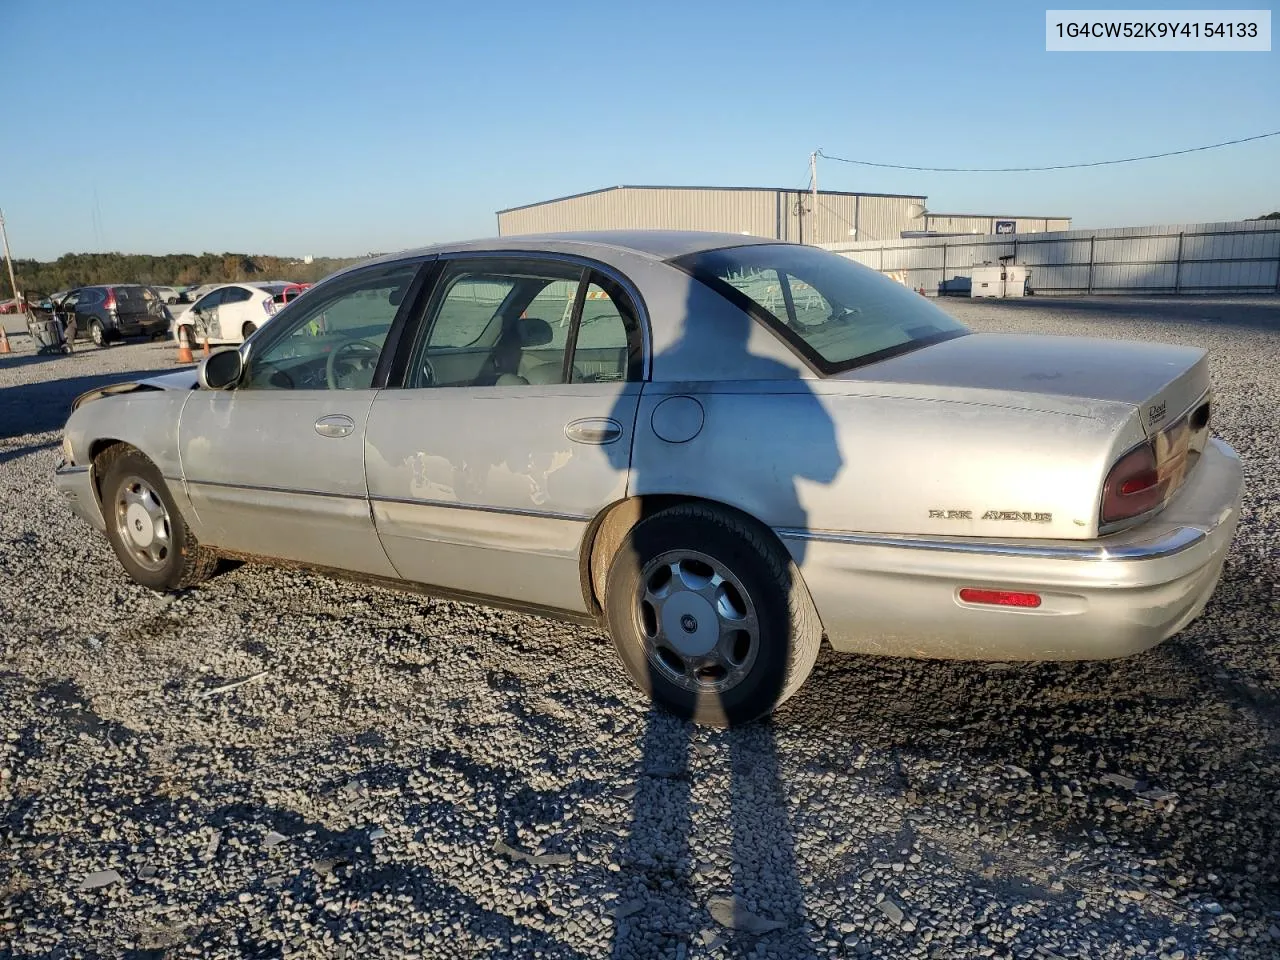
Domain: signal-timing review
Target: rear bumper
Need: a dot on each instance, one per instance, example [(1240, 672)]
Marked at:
[(75, 486), (1103, 598), (140, 328)]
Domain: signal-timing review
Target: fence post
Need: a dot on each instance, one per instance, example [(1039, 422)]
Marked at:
[(1090, 286), (1177, 270), (944, 261)]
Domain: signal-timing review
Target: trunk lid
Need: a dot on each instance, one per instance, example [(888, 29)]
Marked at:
[(1160, 380), (137, 303)]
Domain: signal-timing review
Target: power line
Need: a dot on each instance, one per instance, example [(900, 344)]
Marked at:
[(1056, 166)]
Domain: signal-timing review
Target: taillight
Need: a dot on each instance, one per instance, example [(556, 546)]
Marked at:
[(111, 298), (1133, 487), (268, 307)]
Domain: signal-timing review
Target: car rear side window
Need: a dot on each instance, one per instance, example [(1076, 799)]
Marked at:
[(837, 313), (497, 322), (236, 295), (608, 342)]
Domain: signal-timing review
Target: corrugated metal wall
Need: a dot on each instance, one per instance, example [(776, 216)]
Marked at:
[(752, 211), (1233, 257), (762, 213)]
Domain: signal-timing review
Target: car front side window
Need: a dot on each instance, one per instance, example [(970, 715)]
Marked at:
[(335, 338), (208, 302)]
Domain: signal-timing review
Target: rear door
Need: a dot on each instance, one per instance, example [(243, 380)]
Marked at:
[(275, 467), (232, 312), (488, 463)]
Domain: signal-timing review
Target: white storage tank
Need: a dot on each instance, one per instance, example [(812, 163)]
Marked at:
[(1000, 280)]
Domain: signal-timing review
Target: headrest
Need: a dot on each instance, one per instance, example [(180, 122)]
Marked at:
[(533, 332)]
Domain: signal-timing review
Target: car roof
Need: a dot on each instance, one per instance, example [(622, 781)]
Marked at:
[(252, 284), (651, 244)]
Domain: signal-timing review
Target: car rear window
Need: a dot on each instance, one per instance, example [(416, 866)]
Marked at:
[(134, 299), (837, 313)]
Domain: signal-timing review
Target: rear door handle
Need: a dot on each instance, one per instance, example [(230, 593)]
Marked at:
[(335, 425), (597, 430)]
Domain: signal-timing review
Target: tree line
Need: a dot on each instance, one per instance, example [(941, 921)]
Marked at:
[(37, 278)]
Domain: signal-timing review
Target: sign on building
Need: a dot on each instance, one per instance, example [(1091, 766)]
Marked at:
[(1006, 226)]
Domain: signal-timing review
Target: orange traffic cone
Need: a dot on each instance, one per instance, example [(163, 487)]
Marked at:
[(206, 346), (4, 341), (184, 348)]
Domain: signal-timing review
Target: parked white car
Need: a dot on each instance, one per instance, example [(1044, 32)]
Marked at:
[(230, 312), (169, 295)]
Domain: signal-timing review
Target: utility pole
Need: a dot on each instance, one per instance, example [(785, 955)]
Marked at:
[(813, 187), (17, 298)]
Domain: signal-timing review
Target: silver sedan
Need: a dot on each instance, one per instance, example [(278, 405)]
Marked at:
[(720, 449)]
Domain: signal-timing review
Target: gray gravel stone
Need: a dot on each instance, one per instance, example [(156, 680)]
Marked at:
[(100, 878)]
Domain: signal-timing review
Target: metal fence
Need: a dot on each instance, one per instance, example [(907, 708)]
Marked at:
[(1236, 257)]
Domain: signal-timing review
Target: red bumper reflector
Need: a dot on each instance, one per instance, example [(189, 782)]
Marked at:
[(1000, 598)]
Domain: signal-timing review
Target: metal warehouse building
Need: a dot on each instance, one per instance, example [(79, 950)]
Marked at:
[(782, 214)]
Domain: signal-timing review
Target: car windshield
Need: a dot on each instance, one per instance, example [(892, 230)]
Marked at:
[(836, 312)]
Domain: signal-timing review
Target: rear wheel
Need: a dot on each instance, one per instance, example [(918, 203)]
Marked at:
[(248, 329), (709, 615), (97, 334), (146, 531)]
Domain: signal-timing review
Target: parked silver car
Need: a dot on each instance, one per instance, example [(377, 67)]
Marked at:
[(721, 449)]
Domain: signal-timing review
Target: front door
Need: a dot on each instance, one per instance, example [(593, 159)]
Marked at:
[(202, 317), (488, 463), (275, 467)]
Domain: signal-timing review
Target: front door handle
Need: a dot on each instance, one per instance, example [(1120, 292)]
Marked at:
[(597, 430), (335, 425)]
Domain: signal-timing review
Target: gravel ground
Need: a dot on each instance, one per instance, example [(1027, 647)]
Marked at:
[(400, 776)]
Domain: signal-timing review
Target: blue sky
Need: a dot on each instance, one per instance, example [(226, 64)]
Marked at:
[(293, 127)]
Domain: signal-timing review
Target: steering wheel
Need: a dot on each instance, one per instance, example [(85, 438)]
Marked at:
[(369, 361)]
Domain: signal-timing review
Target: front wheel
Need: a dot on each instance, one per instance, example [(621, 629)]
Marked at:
[(709, 615), (146, 531)]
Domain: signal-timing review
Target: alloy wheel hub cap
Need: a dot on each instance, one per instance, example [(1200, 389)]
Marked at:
[(690, 624), (141, 526)]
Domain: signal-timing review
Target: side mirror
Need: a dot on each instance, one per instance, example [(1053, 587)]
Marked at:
[(221, 370)]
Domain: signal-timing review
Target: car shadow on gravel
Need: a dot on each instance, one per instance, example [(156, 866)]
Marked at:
[(14, 453), (45, 405), (663, 911), (1172, 756)]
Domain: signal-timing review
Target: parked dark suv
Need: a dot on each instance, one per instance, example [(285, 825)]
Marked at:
[(112, 312)]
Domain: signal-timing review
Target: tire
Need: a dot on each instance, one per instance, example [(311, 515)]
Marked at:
[(247, 330), (163, 555), (652, 611), (97, 334)]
